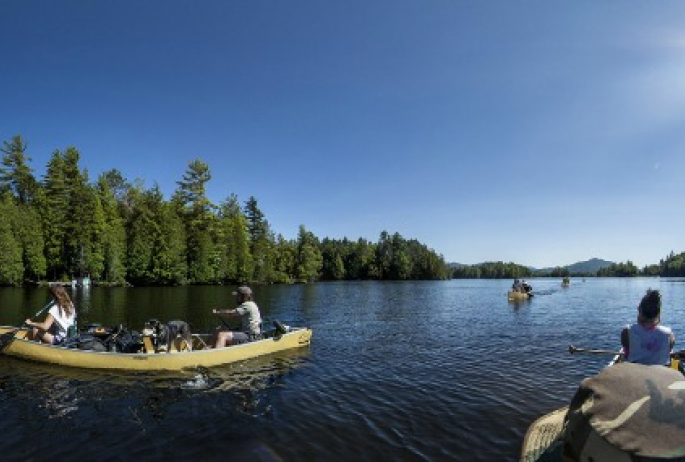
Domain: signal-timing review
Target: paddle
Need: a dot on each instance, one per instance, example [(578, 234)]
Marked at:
[(9, 336), (572, 349), (47, 305), (223, 321)]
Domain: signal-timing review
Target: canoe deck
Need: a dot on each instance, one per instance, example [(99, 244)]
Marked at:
[(17, 344)]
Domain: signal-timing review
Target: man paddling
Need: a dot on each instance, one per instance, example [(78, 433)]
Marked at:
[(251, 321)]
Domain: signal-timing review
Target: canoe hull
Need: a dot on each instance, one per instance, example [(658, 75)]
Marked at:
[(518, 295), (22, 348)]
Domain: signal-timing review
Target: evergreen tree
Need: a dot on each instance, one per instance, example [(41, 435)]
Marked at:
[(11, 266), (82, 245), (261, 244), (285, 258), (114, 233), (141, 232), (16, 175), (401, 263), (236, 249), (333, 253), (309, 260), (156, 246), (384, 255), (54, 213), (169, 264), (28, 232), (200, 224)]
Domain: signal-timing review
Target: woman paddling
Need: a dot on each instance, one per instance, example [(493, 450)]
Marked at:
[(647, 342), (61, 316)]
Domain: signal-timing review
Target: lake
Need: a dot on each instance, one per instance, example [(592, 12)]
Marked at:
[(411, 371)]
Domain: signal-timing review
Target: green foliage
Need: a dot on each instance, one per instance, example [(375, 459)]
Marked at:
[(619, 270), (308, 259), (28, 232), (492, 270), (117, 231), (235, 243), (11, 266), (114, 232), (261, 242), (285, 254), (559, 272), (15, 174), (156, 247), (196, 210)]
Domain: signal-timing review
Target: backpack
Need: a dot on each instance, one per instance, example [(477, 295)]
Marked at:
[(124, 340), (84, 342)]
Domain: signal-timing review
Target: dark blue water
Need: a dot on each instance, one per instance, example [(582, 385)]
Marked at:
[(411, 371)]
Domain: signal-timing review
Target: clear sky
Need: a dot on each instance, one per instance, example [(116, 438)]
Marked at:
[(539, 132)]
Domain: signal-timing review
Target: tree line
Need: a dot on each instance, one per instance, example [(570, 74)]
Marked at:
[(65, 225), (492, 270), (672, 265)]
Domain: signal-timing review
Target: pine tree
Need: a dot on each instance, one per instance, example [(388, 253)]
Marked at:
[(309, 260), (16, 175), (54, 215), (114, 233), (200, 224), (11, 266), (261, 242), (236, 242)]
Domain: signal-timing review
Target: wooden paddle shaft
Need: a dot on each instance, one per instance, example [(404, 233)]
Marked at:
[(573, 349)]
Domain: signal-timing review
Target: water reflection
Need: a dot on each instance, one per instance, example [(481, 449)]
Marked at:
[(517, 304)]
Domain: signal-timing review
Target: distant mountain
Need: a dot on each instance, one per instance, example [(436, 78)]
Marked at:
[(589, 266), (584, 267)]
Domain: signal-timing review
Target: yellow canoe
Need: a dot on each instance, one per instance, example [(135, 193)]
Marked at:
[(147, 360), (518, 295)]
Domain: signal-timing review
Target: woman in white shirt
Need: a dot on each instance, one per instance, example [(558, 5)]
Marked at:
[(61, 316)]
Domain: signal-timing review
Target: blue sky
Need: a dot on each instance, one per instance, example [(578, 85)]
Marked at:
[(537, 132)]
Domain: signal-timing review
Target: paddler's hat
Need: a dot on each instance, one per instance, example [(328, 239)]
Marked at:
[(243, 290), (627, 412)]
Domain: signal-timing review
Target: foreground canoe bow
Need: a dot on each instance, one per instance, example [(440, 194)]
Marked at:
[(542, 440), (20, 346)]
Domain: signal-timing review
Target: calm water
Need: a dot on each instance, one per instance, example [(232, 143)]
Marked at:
[(412, 371)]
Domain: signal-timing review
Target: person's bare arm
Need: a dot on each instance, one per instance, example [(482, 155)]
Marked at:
[(45, 325), (225, 312), (625, 342)]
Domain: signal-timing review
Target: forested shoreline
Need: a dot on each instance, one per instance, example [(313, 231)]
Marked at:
[(672, 266), (64, 226), (119, 232)]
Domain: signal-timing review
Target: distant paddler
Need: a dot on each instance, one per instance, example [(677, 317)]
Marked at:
[(520, 290)]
